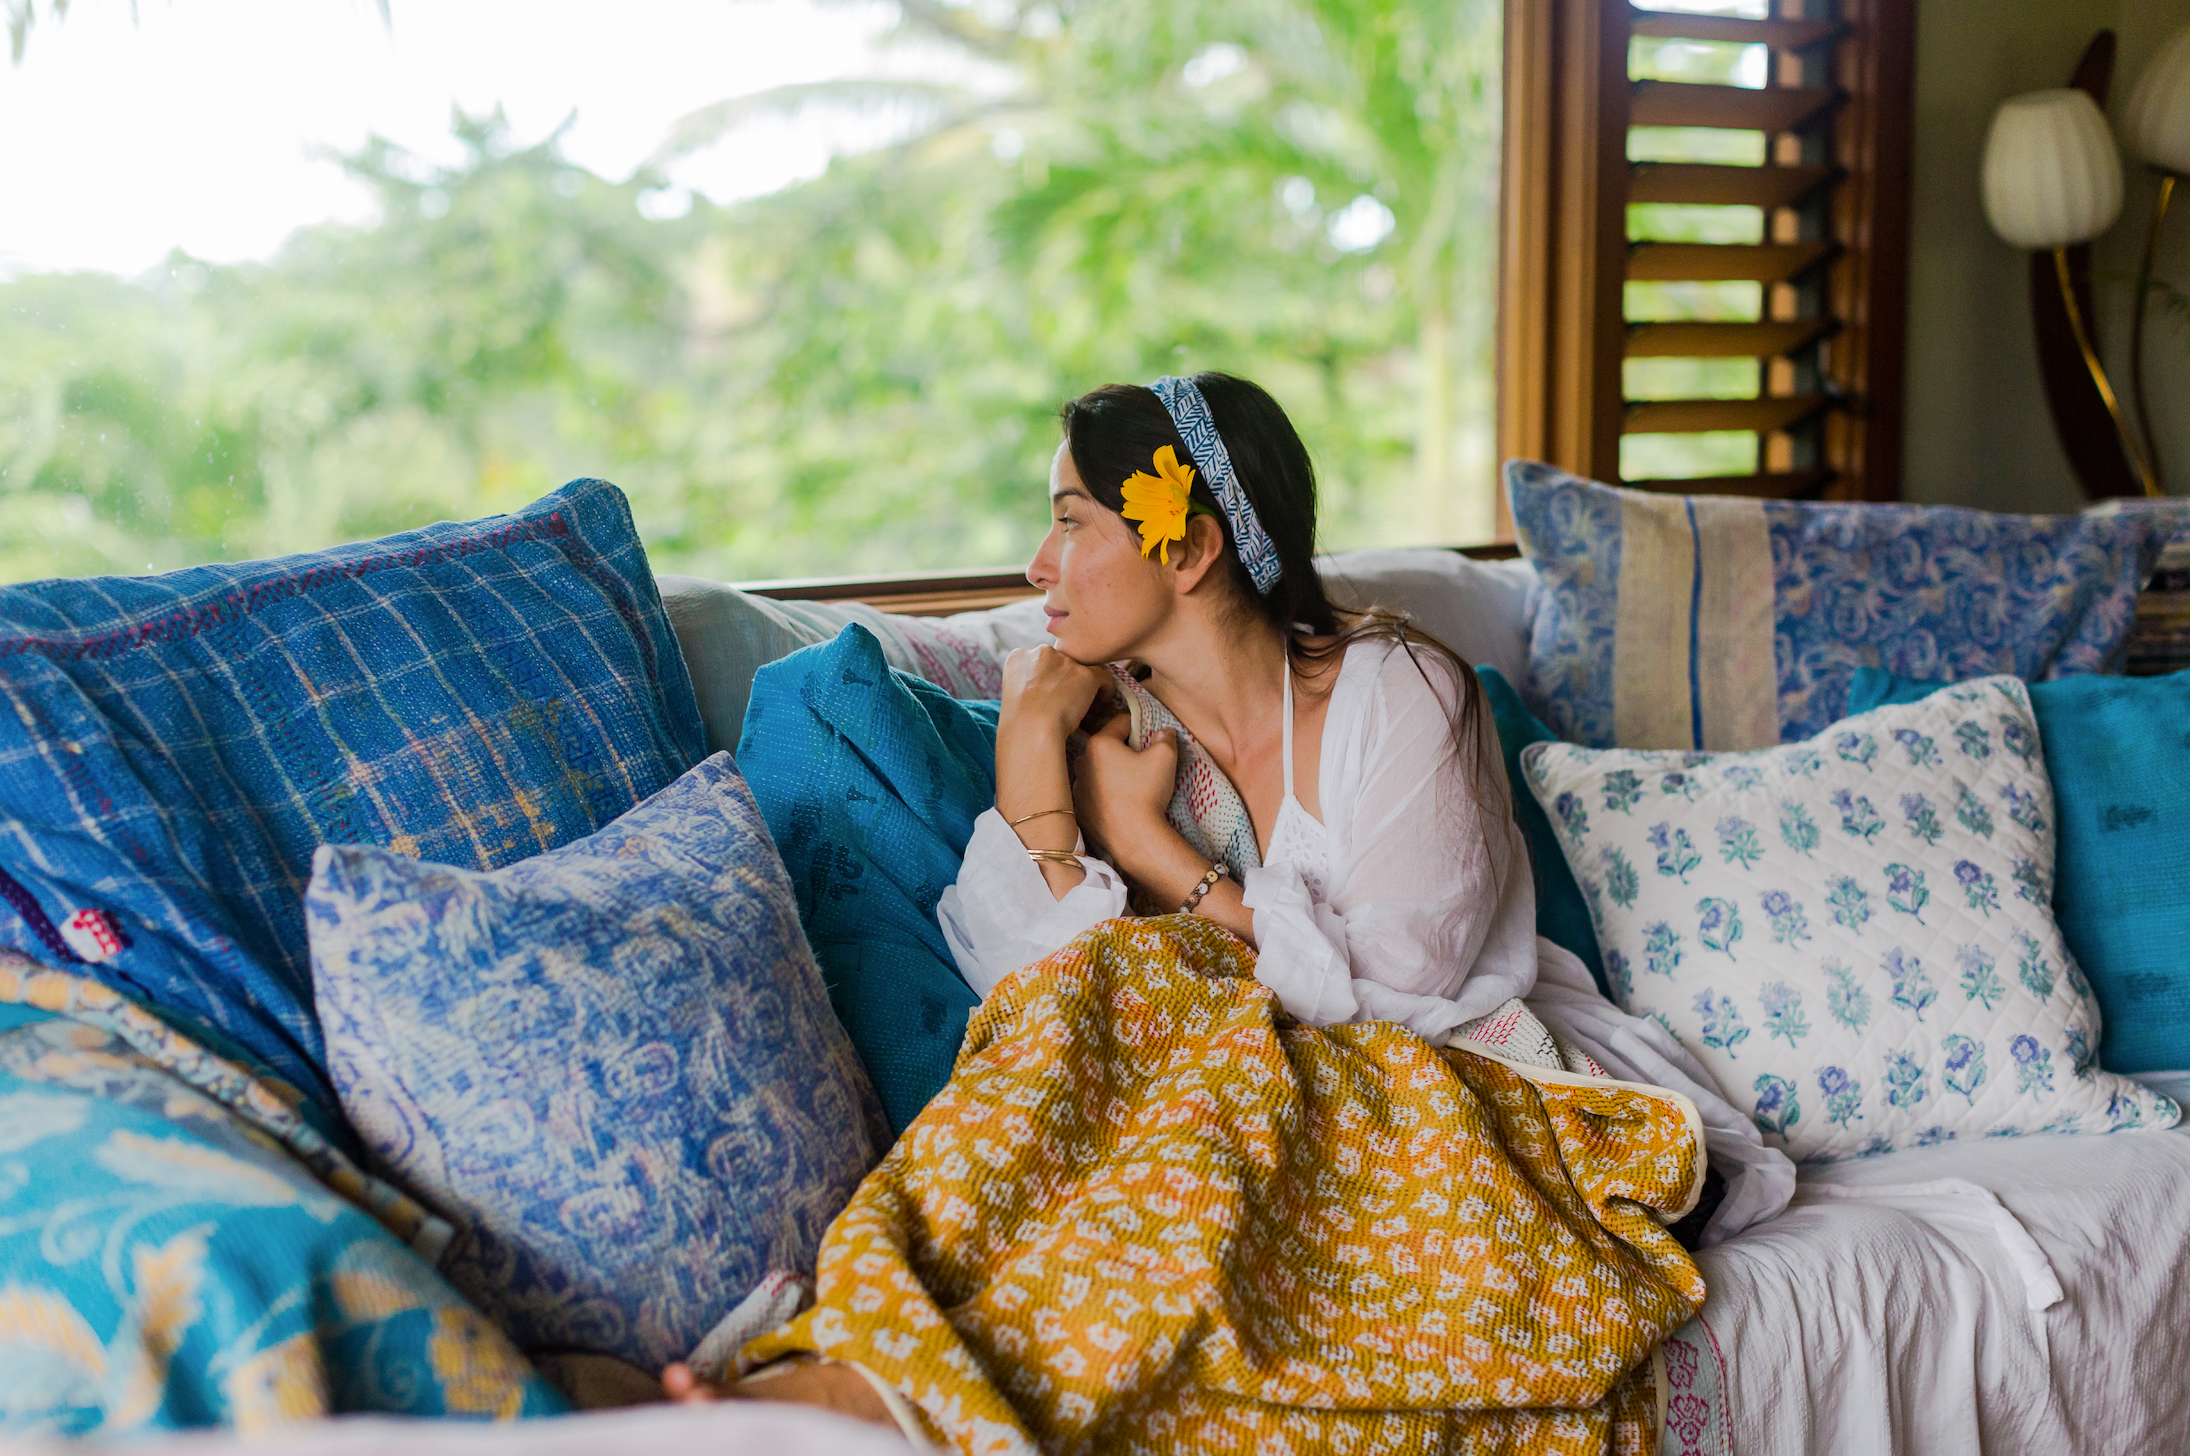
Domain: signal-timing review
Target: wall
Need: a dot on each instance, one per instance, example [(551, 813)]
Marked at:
[(1979, 433)]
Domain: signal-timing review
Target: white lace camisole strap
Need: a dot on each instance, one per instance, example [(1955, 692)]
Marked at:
[(1297, 839)]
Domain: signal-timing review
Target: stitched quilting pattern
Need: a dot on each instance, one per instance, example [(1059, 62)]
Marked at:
[(1945, 593), (1152, 1214), (173, 748), (612, 1066), (1854, 934), (176, 1254), (1937, 592)]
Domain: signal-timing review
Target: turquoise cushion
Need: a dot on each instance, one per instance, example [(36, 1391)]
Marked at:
[(14, 1014), (871, 780), (611, 1066), (168, 1264), (1562, 915), (2118, 751)]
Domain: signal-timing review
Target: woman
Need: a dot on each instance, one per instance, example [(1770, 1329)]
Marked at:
[(1141, 1212), (1394, 883)]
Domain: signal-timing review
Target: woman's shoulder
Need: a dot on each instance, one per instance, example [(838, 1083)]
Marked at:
[(1388, 689), (1402, 673)]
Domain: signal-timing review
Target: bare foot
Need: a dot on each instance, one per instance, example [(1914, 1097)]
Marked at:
[(839, 1388)]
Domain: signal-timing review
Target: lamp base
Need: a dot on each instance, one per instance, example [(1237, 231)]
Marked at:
[(2102, 465), (2148, 483)]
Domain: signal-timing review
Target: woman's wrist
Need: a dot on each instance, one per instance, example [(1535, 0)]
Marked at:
[(1032, 783), (1158, 859)]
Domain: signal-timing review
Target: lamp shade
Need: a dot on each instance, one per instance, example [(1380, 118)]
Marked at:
[(2156, 122), (2052, 176)]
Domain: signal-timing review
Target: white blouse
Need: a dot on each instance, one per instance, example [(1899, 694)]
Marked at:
[(1412, 904), (1408, 903)]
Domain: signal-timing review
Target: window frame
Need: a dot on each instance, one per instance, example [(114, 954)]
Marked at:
[(1563, 256), (1564, 253)]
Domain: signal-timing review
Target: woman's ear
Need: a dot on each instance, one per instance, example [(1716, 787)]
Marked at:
[(1192, 558)]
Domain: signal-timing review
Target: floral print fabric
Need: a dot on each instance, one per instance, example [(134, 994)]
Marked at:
[(179, 1249), (1855, 933), (612, 1066), (1152, 1213), (1935, 592)]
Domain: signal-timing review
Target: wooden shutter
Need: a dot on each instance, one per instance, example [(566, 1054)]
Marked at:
[(1827, 266)]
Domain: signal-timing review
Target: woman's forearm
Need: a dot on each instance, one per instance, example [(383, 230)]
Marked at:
[(1031, 776), (1167, 869)]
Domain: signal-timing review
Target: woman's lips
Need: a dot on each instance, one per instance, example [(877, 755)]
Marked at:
[(1055, 617)]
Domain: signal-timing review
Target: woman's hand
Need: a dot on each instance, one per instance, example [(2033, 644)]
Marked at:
[(1047, 693), (1120, 794)]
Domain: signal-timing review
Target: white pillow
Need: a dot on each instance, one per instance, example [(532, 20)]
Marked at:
[(1854, 933), (1480, 609)]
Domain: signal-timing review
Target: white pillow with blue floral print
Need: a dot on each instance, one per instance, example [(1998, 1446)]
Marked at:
[(1854, 933)]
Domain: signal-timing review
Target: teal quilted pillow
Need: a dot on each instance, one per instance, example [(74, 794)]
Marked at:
[(611, 1066), (871, 780), (1562, 915), (2118, 751)]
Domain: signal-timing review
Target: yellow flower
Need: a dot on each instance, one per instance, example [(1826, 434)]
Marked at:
[(1159, 502)]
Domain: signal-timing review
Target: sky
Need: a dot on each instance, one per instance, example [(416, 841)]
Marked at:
[(205, 125)]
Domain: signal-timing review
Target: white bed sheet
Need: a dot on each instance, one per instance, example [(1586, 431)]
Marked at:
[(732, 1428), (1872, 1317)]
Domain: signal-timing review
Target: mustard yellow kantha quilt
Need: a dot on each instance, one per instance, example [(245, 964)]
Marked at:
[(1153, 1213)]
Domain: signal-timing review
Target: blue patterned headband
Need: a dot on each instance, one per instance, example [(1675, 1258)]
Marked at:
[(1190, 412)]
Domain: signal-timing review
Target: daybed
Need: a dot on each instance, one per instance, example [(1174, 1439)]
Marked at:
[(2001, 1295)]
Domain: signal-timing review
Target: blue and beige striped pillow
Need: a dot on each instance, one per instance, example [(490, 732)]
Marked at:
[(1713, 622)]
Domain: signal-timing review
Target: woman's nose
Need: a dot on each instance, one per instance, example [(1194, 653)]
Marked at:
[(1042, 571)]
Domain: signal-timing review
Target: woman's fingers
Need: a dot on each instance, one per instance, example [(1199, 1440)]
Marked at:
[(682, 1386), (1120, 794), (1051, 688)]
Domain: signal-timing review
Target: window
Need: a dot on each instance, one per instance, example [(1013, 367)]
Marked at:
[(808, 281), (1706, 219)]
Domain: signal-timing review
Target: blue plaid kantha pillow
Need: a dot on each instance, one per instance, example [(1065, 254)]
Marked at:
[(173, 748)]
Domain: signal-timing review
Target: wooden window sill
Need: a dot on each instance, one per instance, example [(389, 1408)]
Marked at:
[(940, 593)]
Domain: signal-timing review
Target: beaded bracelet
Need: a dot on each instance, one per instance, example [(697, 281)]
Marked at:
[(1217, 872)]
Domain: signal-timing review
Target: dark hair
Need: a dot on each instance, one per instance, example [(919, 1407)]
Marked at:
[(1117, 430)]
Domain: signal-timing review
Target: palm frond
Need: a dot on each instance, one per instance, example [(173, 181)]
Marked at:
[(710, 124), (956, 24), (23, 14)]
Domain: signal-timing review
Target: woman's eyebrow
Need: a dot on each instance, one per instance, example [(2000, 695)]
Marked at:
[(1070, 492)]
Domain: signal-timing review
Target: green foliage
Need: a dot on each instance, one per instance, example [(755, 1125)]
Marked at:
[(857, 374)]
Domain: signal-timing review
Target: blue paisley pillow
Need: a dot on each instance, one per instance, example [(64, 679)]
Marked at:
[(612, 1067), (1706, 622)]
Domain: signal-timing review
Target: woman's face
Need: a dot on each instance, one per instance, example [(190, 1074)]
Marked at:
[(1102, 597)]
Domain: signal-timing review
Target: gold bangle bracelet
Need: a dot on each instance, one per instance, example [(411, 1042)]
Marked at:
[(1053, 856), (1037, 814)]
